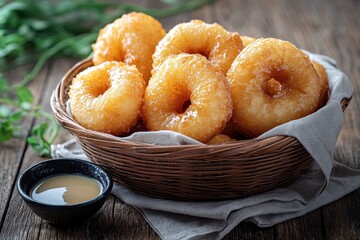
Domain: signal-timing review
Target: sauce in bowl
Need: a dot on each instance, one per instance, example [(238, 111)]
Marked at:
[(66, 189)]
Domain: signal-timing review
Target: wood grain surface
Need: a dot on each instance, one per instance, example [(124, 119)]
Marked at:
[(320, 26)]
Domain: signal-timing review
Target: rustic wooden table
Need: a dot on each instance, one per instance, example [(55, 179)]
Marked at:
[(326, 27)]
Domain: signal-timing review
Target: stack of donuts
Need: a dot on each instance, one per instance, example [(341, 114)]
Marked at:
[(198, 79)]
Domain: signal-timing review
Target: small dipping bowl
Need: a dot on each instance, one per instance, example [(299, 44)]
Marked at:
[(64, 215)]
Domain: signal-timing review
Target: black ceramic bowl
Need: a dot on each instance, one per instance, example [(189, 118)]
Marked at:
[(64, 215)]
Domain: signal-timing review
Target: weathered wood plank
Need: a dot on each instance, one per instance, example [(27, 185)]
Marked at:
[(308, 226), (121, 221), (341, 218), (247, 231)]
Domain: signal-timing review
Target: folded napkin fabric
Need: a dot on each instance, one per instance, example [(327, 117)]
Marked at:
[(326, 181)]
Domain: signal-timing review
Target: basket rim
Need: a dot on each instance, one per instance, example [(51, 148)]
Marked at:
[(65, 119)]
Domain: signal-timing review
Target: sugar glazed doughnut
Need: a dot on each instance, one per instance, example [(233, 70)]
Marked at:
[(187, 94), (219, 46), (107, 97), (220, 139), (130, 39), (324, 83), (256, 111)]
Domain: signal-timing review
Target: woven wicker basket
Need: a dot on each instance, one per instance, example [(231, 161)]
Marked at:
[(187, 172)]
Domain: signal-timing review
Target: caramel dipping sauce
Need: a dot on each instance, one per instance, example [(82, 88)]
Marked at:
[(66, 189)]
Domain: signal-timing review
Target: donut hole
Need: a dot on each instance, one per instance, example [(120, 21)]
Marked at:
[(277, 83), (186, 104), (272, 87), (100, 88), (203, 52)]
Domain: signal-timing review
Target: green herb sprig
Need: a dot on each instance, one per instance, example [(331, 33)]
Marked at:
[(35, 31), (14, 109)]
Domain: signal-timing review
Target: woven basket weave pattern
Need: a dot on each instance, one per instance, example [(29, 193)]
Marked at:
[(187, 172)]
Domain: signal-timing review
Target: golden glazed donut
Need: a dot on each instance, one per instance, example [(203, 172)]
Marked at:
[(130, 39), (107, 97), (220, 139), (324, 83), (256, 111), (187, 94), (219, 46)]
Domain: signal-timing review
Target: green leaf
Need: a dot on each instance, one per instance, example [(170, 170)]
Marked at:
[(10, 8), (38, 141), (15, 38), (6, 131), (26, 31), (26, 106), (24, 94), (16, 116), (40, 129), (10, 50), (5, 111), (38, 24), (32, 141), (5, 135), (38, 146)]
